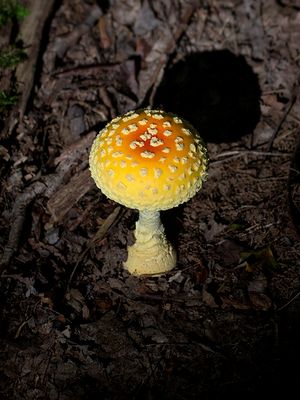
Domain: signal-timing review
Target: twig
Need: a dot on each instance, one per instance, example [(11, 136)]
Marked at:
[(277, 130), (289, 302), (104, 228), (250, 152), (21, 327), (95, 69), (283, 118), (231, 155)]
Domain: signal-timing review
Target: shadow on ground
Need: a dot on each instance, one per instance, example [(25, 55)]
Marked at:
[(294, 188), (217, 92)]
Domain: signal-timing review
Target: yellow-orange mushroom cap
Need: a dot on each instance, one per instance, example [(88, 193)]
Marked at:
[(149, 160)]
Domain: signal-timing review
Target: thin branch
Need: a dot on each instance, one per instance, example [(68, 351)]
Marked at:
[(104, 228), (289, 302), (283, 118)]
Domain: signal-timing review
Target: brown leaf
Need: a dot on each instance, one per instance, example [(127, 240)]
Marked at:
[(75, 300), (260, 301)]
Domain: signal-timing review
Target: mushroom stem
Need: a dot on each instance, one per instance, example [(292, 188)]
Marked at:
[(151, 253)]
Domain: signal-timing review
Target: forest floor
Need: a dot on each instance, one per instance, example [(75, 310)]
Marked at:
[(225, 323)]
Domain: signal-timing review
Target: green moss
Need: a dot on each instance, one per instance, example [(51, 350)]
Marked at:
[(7, 99), (11, 56), (11, 10)]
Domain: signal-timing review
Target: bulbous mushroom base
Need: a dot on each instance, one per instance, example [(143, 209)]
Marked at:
[(151, 254), (151, 259)]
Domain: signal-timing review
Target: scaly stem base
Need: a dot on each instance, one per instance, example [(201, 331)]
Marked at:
[(151, 253)]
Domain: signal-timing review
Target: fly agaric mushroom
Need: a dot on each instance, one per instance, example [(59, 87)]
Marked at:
[(149, 160)]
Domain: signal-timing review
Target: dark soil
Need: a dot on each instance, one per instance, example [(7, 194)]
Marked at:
[(225, 323)]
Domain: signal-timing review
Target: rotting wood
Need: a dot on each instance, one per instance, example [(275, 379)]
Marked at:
[(46, 186), (31, 31), (18, 218), (66, 196)]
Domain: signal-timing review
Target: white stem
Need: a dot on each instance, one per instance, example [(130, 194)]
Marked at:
[(151, 253)]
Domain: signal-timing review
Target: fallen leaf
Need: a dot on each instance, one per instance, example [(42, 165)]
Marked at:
[(75, 300), (259, 259), (260, 301)]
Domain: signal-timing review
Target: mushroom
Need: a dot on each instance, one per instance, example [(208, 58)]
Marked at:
[(149, 160)]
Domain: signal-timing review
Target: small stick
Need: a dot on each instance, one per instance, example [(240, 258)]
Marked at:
[(104, 228), (283, 118), (289, 302), (277, 130)]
